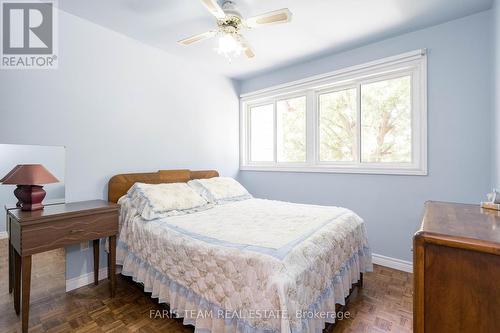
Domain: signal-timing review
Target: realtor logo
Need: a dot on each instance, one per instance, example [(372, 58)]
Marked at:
[(28, 34)]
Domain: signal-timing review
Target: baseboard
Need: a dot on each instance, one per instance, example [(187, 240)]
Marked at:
[(4, 234), (88, 278), (401, 265)]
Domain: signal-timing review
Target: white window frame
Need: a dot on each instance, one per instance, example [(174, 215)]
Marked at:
[(412, 63)]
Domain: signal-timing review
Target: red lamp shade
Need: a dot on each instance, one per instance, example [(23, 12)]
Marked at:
[(29, 178)]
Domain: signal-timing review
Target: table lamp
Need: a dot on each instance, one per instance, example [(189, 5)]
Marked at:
[(29, 179)]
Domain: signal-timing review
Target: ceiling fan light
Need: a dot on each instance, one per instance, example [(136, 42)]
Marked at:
[(229, 46)]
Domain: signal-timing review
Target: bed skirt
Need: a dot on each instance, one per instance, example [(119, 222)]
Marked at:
[(208, 317)]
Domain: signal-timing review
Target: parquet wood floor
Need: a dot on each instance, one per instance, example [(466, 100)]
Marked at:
[(383, 304)]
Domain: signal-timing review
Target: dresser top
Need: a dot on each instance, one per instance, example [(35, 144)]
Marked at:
[(67, 209), (462, 221)]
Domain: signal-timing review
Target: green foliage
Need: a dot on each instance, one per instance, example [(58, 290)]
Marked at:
[(386, 121), (337, 126), (291, 135)]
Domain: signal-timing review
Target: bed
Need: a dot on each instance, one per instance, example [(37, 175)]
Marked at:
[(248, 266)]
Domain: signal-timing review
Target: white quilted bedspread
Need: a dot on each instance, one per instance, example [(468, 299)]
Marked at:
[(252, 255)]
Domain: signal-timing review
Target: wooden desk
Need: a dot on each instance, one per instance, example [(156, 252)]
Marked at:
[(457, 270), (54, 227)]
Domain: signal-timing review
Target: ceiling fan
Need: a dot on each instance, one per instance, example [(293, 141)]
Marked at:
[(230, 23)]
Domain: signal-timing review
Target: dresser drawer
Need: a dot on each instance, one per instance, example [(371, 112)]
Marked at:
[(55, 234)]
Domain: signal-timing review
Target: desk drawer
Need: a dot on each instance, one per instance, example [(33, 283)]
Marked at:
[(55, 234)]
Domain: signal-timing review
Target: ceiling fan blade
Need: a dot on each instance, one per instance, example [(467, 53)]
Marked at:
[(196, 38), (214, 8), (277, 16), (248, 49)]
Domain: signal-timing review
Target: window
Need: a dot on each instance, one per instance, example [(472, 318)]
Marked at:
[(365, 119)]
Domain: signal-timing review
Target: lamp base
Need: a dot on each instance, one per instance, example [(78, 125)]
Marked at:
[(30, 197)]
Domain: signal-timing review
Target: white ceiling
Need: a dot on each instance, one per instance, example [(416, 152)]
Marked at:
[(318, 26)]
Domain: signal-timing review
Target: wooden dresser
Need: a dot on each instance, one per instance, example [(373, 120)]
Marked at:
[(457, 270)]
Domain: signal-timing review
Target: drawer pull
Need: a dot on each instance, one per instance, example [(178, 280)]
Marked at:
[(76, 231)]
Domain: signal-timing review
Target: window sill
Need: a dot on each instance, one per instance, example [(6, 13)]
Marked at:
[(337, 169)]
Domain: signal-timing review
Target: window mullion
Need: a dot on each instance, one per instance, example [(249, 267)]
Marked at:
[(358, 122), (248, 134), (311, 128), (275, 136)]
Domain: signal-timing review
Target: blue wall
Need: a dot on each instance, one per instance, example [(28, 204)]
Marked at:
[(459, 135)]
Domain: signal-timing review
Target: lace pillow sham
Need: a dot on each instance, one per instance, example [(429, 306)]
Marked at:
[(220, 190), (154, 201)]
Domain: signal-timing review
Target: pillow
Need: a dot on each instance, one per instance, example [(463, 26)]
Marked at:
[(220, 190), (154, 201)]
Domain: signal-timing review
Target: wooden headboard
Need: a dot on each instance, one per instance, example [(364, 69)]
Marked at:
[(118, 185)]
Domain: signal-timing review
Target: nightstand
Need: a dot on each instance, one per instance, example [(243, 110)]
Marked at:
[(54, 227)]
